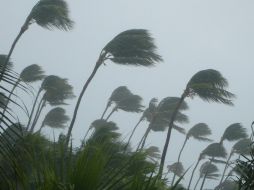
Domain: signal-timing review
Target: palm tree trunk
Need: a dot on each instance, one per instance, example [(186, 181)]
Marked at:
[(197, 183), (193, 171), (42, 125), (22, 30), (98, 64), (203, 182), (171, 123), (145, 137), (110, 114), (178, 159), (33, 108), (38, 113), (133, 131), (9, 97), (103, 114), (225, 168)]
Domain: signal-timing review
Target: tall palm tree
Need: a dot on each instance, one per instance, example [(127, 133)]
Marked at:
[(48, 14), (212, 150), (132, 47), (147, 114), (208, 169), (241, 147), (176, 168), (210, 86), (30, 74), (200, 131), (160, 118), (55, 118), (117, 95)]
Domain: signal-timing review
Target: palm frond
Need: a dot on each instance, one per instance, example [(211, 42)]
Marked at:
[(153, 152), (208, 169), (210, 86), (132, 103), (133, 47), (179, 129), (51, 14), (215, 150), (176, 168), (242, 147), (56, 118), (234, 132), (119, 94), (32, 73), (199, 130)]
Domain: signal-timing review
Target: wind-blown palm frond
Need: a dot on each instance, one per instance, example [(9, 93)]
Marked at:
[(210, 86), (133, 47), (215, 150), (209, 169), (51, 14), (32, 73), (199, 132), (119, 94), (234, 132), (101, 123), (242, 147), (176, 168), (228, 185), (56, 118), (131, 103), (153, 152)]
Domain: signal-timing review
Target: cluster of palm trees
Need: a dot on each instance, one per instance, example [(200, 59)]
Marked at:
[(28, 160)]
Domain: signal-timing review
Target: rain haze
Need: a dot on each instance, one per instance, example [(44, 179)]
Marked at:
[(190, 35)]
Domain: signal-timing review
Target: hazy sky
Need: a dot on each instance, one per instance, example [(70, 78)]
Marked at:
[(191, 35)]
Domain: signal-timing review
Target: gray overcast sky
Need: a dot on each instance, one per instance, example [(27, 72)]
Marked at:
[(191, 35)]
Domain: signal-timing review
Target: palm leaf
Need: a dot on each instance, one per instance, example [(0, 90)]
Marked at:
[(214, 150), (32, 73), (208, 169), (234, 132), (242, 147), (51, 14), (56, 118), (131, 103), (199, 132), (210, 86), (176, 168), (133, 47)]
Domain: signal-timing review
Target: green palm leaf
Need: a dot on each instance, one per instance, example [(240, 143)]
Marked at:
[(133, 47), (209, 169), (214, 150), (242, 147), (199, 132), (234, 132), (56, 118), (210, 86), (176, 168), (32, 73), (51, 14)]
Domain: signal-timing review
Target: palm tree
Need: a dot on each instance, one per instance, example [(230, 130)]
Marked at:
[(208, 169), (210, 86), (48, 14), (117, 95), (56, 91), (30, 74), (55, 118), (213, 150), (131, 47), (147, 114), (159, 119), (199, 132), (241, 147), (153, 153)]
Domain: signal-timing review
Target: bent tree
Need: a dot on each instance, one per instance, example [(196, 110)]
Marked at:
[(132, 47), (207, 84)]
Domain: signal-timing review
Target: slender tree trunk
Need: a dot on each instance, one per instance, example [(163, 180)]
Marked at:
[(145, 137), (9, 97), (133, 131), (87, 133), (33, 108), (98, 64), (193, 171), (179, 156), (197, 183), (203, 182), (104, 112), (171, 123), (110, 114), (38, 113), (225, 168), (22, 30), (42, 125)]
